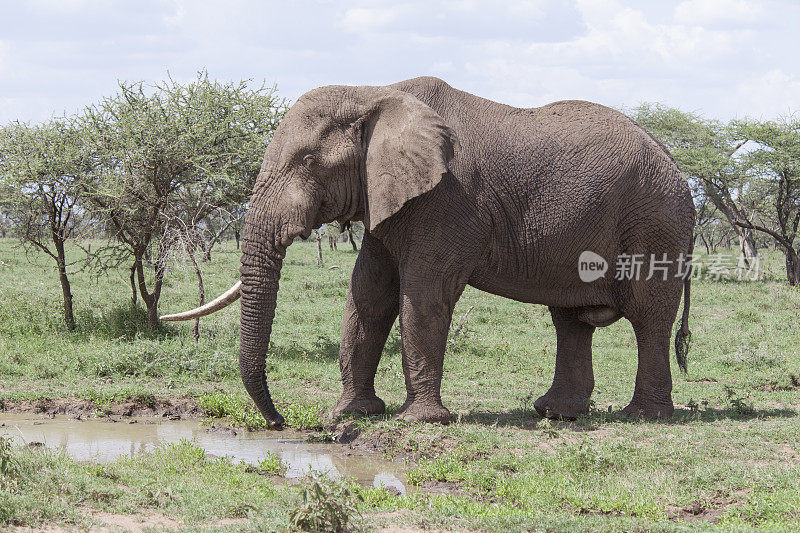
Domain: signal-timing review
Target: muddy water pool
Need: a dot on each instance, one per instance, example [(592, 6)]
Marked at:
[(102, 440)]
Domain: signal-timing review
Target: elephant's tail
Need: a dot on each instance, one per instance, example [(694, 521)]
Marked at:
[(683, 336)]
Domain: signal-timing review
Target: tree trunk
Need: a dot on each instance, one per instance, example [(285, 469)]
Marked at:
[(237, 236), (152, 312), (319, 248), (151, 298), (793, 267), (134, 294), (201, 294), (746, 244), (61, 259), (205, 247), (733, 214), (352, 240), (705, 243)]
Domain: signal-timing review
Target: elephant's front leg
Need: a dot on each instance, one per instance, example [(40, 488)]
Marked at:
[(426, 309), (372, 302), (573, 381)]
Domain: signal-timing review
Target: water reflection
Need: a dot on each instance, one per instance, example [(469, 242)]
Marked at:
[(102, 441)]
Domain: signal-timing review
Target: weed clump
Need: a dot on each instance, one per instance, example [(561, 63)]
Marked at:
[(325, 506), (272, 464), (9, 467)]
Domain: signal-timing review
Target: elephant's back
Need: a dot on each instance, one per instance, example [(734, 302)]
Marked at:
[(574, 176), (593, 150)]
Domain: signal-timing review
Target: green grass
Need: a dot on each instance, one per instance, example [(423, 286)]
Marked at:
[(728, 460), (242, 413)]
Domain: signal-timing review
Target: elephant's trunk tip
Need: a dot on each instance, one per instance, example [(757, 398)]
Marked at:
[(276, 422)]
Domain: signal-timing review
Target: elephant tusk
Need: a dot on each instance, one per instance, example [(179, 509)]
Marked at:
[(224, 300)]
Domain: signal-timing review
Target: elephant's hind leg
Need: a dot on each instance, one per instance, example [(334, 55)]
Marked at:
[(652, 396), (652, 314), (573, 382), (371, 309)]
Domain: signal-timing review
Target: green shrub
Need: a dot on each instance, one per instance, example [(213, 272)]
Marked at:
[(325, 506)]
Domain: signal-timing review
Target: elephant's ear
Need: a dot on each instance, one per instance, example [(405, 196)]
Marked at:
[(408, 146)]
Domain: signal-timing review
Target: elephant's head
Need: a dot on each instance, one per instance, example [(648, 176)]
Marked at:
[(340, 153)]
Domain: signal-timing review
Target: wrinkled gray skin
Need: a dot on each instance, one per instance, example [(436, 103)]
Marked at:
[(455, 190)]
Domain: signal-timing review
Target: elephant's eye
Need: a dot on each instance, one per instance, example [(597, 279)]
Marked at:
[(308, 160)]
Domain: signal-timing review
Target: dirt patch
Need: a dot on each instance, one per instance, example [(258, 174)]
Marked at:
[(411, 444), (442, 487), (111, 522), (399, 516), (79, 407), (381, 440), (709, 511), (598, 512), (792, 384), (702, 380), (133, 523)]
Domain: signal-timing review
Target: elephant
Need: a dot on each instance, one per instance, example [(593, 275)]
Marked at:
[(458, 190)]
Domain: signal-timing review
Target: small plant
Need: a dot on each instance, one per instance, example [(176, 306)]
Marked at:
[(527, 403), (9, 467), (105, 472), (443, 468), (739, 404), (585, 458), (325, 506), (546, 425), (272, 464), (324, 436)]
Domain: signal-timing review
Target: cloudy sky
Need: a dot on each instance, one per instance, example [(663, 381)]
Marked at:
[(721, 58)]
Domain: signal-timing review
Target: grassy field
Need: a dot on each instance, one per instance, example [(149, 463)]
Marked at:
[(728, 460)]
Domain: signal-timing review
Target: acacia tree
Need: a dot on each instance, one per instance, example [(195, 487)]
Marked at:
[(155, 143), (706, 151), (774, 166), (43, 170)]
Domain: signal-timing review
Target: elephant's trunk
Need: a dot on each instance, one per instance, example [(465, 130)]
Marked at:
[(261, 269)]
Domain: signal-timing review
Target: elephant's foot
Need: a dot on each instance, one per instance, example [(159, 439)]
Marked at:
[(359, 406), (562, 406), (653, 410), (423, 411)]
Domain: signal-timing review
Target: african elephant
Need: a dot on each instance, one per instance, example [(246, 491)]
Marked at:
[(453, 190)]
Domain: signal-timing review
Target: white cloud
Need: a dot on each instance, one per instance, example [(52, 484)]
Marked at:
[(3, 57), (718, 13), (773, 93), (709, 56), (59, 6), (177, 17), (367, 20)]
